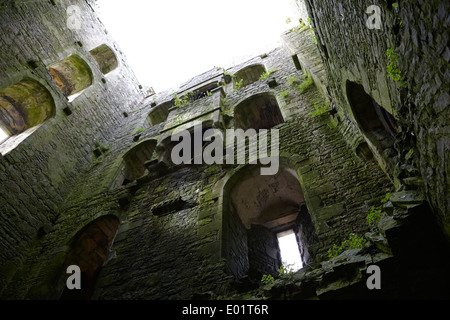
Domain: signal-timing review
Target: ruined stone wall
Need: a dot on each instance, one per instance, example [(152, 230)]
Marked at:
[(353, 51), (173, 238), (178, 237), (39, 168), (422, 45)]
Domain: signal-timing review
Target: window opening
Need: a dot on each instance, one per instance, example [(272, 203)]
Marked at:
[(290, 254), (3, 135), (71, 76), (258, 112), (105, 58)]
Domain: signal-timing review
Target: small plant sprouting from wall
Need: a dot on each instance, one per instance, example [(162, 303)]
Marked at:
[(354, 241), (267, 278), (320, 110), (285, 94), (284, 272), (392, 68), (138, 131), (306, 84), (189, 97), (238, 85), (229, 74), (267, 74), (300, 85), (376, 212), (224, 102), (312, 30), (301, 27), (184, 100), (179, 102)]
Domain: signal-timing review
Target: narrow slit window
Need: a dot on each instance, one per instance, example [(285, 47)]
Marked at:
[(3, 135), (290, 254)]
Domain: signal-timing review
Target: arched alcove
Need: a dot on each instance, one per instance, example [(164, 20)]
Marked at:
[(377, 124), (249, 74), (71, 75), (159, 113), (88, 250), (24, 105), (135, 159), (257, 209), (105, 58), (260, 111), (363, 151)]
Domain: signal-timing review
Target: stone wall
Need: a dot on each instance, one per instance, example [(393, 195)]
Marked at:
[(422, 46), (40, 167), (172, 241), (352, 51), (179, 235)]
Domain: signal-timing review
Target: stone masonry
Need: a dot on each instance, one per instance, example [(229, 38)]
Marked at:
[(94, 183)]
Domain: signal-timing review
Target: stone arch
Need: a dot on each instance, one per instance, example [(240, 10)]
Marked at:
[(105, 58), (378, 125), (249, 74), (134, 160), (255, 209), (363, 151), (24, 105), (89, 249), (71, 75), (159, 113), (260, 111)]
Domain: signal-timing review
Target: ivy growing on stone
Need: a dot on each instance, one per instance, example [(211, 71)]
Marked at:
[(392, 68)]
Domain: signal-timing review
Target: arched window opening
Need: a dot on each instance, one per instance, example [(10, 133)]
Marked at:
[(378, 125), (24, 105), (248, 75), (105, 58), (258, 112), (259, 210), (198, 94), (159, 113), (89, 250), (71, 76), (135, 160), (204, 91)]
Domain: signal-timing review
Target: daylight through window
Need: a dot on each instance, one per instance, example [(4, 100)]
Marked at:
[(290, 255)]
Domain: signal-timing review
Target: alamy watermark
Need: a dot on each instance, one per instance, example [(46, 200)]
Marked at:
[(74, 19), (374, 20), (74, 280), (227, 149), (374, 280)]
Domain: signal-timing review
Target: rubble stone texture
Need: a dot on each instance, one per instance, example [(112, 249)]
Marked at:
[(87, 178)]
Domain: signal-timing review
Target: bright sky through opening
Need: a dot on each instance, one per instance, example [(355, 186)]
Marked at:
[(168, 42), (3, 135), (290, 255)]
